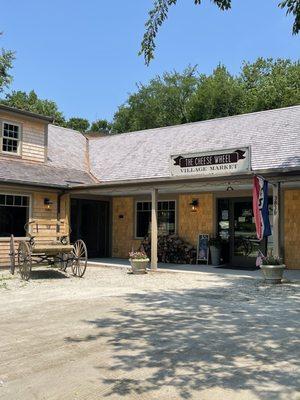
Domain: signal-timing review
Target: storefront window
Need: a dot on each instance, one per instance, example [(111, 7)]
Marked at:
[(165, 215), (14, 212)]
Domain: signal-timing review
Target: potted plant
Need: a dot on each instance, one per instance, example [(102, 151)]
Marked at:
[(215, 245), (139, 261), (272, 268)]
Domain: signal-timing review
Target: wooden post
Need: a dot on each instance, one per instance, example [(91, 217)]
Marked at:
[(154, 229), (276, 218)]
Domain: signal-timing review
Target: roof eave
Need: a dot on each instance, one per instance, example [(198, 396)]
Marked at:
[(26, 113), (175, 179)]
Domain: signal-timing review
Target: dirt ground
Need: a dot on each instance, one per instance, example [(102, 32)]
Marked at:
[(112, 335)]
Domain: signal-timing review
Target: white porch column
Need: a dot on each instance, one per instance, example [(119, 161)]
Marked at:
[(154, 229), (276, 218)]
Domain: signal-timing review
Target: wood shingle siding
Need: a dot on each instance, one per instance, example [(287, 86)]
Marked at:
[(32, 137), (292, 228)]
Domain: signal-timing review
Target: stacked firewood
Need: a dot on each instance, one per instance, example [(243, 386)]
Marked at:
[(171, 249)]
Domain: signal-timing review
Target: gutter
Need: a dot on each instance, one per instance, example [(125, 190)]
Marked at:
[(171, 180)]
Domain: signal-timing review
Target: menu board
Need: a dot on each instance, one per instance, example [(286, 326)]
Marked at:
[(203, 248)]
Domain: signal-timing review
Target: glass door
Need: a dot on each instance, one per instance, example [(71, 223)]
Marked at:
[(244, 244), (237, 229)]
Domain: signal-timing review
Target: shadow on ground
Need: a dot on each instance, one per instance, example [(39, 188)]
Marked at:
[(47, 274), (242, 337)]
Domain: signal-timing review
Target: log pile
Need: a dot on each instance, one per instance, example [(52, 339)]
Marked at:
[(171, 249)]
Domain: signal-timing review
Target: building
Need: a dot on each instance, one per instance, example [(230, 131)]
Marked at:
[(189, 179)]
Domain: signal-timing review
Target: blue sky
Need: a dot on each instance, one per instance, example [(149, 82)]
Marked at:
[(83, 54)]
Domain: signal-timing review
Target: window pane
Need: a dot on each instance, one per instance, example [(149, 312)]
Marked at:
[(10, 145), (142, 223), (25, 201), (139, 206), (12, 221), (18, 201), (146, 205), (2, 199), (171, 205), (9, 200)]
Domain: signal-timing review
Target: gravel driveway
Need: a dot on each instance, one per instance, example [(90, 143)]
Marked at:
[(161, 336)]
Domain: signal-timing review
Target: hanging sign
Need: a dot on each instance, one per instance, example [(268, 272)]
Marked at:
[(203, 248), (220, 162)]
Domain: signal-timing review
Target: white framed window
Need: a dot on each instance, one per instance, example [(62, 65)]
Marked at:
[(11, 138), (14, 213), (166, 218)]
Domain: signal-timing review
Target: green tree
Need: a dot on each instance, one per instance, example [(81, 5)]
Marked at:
[(159, 13), (78, 124), (270, 84), (6, 59), (176, 98), (163, 101), (101, 126), (217, 95), (31, 102)]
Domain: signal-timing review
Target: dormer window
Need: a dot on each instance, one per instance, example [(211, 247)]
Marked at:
[(11, 138)]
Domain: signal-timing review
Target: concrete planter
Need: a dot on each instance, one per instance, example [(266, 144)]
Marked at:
[(215, 254), (139, 266), (273, 273)]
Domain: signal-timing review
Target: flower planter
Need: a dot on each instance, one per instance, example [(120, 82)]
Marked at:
[(273, 273), (139, 266)]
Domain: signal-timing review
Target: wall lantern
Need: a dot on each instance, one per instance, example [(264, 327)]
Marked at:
[(194, 205), (48, 203)]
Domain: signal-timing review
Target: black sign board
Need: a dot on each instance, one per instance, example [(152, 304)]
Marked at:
[(203, 248)]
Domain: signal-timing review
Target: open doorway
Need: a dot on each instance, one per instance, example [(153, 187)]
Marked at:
[(90, 222)]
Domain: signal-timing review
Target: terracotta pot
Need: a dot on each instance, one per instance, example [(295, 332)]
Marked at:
[(139, 266), (273, 273)]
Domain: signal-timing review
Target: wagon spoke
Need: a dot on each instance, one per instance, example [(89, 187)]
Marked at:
[(79, 261), (24, 260)]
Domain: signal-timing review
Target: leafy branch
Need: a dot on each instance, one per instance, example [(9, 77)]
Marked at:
[(159, 13)]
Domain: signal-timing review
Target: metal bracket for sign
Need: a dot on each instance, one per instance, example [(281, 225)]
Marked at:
[(206, 248)]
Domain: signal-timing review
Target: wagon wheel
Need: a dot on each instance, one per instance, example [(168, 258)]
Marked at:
[(12, 254), (24, 260), (79, 261)]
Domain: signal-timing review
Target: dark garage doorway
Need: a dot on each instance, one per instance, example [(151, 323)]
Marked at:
[(90, 222)]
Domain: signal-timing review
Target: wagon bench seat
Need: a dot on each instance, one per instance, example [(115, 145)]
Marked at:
[(52, 248)]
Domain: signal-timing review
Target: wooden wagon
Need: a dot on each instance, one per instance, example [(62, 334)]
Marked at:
[(47, 244)]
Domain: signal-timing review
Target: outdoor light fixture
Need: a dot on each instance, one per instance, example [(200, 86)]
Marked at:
[(47, 203), (194, 205)]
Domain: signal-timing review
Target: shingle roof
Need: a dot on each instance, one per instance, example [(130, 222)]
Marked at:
[(13, 171), (66, 148), (26, 113), (274, 137)]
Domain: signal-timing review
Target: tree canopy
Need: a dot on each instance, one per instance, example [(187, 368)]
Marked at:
[(176, 98), (31, 102), (159, 13), (179, 97), (6, 62)]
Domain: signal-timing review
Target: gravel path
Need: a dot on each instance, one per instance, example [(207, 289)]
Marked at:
[(112, 335)]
